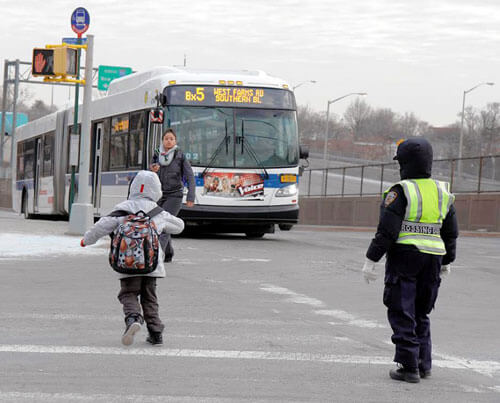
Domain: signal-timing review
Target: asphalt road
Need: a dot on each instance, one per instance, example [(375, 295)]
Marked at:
[(284, 318)]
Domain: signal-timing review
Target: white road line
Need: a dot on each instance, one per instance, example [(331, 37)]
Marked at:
[(489, 368), (119, 318), (482, 367), (349, 319), (296, 298), (111, 398), (188, 353), (293, 296)]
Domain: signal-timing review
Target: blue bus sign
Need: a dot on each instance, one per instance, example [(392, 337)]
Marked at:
[(80, 20), (74, 41)]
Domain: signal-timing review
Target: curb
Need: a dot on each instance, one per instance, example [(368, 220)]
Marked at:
[(333, 228)]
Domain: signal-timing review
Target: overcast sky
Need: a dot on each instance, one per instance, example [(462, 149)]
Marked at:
[(408, 55)]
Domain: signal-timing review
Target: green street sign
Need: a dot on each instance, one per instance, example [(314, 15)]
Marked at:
[(109, 73)]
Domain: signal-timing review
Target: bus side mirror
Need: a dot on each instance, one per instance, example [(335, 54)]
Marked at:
[(303, 152)]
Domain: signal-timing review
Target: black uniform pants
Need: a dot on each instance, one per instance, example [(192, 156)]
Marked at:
[(171, 205), (411, 287)]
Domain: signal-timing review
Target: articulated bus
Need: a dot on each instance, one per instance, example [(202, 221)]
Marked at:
[(237, 129)]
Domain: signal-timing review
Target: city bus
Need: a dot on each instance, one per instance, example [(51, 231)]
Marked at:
[(238, 129)]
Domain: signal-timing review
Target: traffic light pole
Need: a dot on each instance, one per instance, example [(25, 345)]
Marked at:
[(75, 126), (13, 163), (82, 212)]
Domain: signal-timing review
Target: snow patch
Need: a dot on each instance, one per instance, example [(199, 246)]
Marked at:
[(13, 246)]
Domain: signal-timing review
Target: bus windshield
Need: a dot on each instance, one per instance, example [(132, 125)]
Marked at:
[(236, 137)]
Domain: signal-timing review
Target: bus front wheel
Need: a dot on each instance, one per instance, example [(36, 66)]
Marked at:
[(24, 206)]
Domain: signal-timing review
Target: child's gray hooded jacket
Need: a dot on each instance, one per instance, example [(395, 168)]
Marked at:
[(145, 190)]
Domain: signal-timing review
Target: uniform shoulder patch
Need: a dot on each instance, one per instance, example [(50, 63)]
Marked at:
[(389, 199)]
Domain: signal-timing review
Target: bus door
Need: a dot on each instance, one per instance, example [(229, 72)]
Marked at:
[(36, 176), (153, 140), (96, 174)]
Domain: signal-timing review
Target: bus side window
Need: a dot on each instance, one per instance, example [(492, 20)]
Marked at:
[(48, 155), (20, 161), (118, 142), (29, 159)]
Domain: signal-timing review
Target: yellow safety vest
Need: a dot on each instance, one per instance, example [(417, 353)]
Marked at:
[(429, 201)]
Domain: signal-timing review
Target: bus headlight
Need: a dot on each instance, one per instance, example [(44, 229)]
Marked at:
[(287, 191)]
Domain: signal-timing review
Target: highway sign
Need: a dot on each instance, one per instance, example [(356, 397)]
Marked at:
[(74, 41), (80, 20), (109, 73)]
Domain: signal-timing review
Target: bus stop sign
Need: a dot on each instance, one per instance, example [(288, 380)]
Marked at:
[(80, 20)]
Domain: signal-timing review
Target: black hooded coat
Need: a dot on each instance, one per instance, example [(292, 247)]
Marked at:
[(415, 160)]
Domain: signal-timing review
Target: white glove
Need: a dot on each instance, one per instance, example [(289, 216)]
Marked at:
[(445, 270), (368, 271)]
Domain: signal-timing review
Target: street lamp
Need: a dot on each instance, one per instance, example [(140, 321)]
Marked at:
[(460, 145), (325, 147), (303, 82)]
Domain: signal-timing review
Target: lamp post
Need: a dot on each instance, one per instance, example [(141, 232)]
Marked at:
[(325, 146), (302, 83), (461, 141)]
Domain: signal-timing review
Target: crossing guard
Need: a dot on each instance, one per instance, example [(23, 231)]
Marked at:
[(418, 231)]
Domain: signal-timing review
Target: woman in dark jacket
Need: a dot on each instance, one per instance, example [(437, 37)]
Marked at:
[(172, 167)]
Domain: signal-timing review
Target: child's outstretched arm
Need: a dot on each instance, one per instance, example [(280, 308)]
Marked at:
[(103, 227), (171, 224)]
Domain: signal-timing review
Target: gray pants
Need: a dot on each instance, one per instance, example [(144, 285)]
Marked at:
[(171, 205), (145, 287)]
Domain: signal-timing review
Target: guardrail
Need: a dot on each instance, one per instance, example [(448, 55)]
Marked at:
[(466, 175)]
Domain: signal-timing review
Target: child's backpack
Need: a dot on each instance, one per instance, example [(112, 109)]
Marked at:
[(135, 243)]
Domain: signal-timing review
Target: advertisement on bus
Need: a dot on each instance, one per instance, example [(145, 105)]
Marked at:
[(238, 185)]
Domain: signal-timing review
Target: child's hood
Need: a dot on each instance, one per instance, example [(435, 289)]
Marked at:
[(145, 185)]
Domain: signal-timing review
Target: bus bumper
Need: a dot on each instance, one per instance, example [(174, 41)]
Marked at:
[(240, 215)]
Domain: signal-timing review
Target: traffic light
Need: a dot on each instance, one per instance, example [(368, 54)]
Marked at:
[(58, 61)]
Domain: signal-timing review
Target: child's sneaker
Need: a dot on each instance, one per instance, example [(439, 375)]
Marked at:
[(133, 325), (155, 338)]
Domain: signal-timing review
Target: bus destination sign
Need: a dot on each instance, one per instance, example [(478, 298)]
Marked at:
[(229, 96)]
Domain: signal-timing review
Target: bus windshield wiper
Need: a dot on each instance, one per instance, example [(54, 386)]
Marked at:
[(225, 141), (250, 149)]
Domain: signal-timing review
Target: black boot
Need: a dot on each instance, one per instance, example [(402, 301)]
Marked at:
[(133, 324), (405, 374), (155, 338), (424, 373)]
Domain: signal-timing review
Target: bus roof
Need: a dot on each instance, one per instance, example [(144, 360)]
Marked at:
[(182, 75)]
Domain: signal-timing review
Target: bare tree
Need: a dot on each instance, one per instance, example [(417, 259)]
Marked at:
[(382, 124), (357, 117), (38, 110), (490, 128)]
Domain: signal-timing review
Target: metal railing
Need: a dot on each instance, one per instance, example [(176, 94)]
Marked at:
[(478, 175)]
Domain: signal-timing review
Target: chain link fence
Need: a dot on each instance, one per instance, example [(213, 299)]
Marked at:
[(466, 175)]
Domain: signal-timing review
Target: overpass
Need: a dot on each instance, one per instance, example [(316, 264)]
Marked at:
[(350, 195)]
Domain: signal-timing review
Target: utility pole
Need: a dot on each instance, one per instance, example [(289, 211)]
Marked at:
[(4, 112), (82, 213)]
